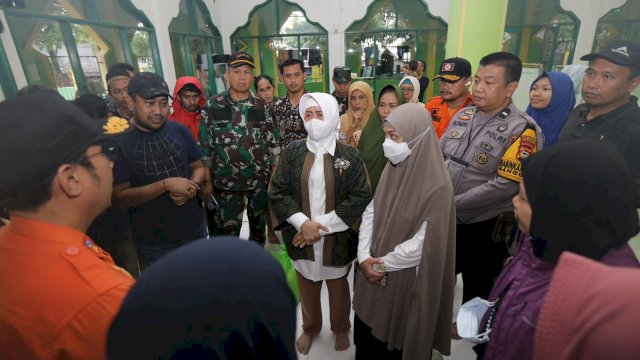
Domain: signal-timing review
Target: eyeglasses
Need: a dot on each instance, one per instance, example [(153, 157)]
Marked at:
[(110, 152), (407, 90)]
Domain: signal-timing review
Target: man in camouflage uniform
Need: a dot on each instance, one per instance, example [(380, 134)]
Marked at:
[(243, 152)]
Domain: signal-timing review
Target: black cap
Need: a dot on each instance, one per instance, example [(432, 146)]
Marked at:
[(40, 132), (454, 69), (116, 73), (148, 85), (240, 58), (341, 74), (621, 52)]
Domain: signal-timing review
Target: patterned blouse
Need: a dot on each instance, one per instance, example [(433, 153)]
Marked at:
[(287, 118)]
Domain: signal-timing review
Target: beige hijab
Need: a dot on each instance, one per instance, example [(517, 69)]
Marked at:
[(416, 89), (413, 312), (347, 120)]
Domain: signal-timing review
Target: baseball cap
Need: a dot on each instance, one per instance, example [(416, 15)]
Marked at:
[(621, 52), (116, 73), (240, 58), (341, 74), (42, 131), (454, 69), (148, 85)]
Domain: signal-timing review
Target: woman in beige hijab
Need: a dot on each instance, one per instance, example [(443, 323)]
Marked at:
[(361, 106), (410, 88), (403, 291)]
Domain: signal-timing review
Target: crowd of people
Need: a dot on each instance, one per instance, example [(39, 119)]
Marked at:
[(123, 216)]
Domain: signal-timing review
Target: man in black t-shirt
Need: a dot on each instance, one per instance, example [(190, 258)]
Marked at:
[(158, 174), (610, 113)]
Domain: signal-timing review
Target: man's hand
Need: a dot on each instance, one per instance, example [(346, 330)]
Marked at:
[(205, 191), (181, 189), (179, 199), (370, 273)]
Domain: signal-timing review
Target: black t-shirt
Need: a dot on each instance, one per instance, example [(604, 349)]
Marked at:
[(619, 128), (424, 84), (148, 157)]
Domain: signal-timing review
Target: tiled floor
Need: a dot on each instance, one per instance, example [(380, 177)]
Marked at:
[(322, 348)]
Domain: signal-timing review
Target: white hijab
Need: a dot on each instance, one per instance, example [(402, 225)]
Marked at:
[(321, 134), (416, 88)]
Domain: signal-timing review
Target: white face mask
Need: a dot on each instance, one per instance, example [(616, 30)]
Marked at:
[(395, 152), (398, 152), (318, 130), (469, 317)]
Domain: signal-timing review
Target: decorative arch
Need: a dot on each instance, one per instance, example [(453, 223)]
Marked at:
[(622, 23), (392, 33), (278, 30), (69, 44), (541, 32), (194, 42)]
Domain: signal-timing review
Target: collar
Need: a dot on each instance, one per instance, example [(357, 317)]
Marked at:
[(286, 97), (320, 148), (47, 232), (612, 116), (339, 97), (232, 101)]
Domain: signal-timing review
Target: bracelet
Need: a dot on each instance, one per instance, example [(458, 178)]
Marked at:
[(164, 185)]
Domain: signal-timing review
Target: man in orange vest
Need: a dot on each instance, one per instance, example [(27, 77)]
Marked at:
[(455, 79), (60, 291)]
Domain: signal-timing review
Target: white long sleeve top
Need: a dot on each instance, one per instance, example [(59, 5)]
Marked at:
[(405, 255), (314, 270)]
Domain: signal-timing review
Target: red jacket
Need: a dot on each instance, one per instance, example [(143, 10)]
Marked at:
[(189, 119)]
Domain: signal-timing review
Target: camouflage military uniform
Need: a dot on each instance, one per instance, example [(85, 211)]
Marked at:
[(243, 148)]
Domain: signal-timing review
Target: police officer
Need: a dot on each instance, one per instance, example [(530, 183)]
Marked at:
[(243, 152), (484, 173)]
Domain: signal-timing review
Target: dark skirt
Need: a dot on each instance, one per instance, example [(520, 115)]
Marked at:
[(368, 346)]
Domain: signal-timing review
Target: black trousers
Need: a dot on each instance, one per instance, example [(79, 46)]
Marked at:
[(478, 257), (368, 347)]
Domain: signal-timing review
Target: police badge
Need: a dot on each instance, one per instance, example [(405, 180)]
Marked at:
[(482, 158)]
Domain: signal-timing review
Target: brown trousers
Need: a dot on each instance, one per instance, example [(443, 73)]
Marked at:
[(339, 304)]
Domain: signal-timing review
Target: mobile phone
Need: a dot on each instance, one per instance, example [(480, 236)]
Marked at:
[(212, 204)]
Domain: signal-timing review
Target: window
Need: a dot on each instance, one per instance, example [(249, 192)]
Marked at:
[(194, 42), (70, 44), (622, 23), (391, 34), (279, 30), (541, 32), (7, 82)]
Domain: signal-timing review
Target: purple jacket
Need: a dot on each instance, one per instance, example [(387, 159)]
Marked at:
[(525, 281)]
